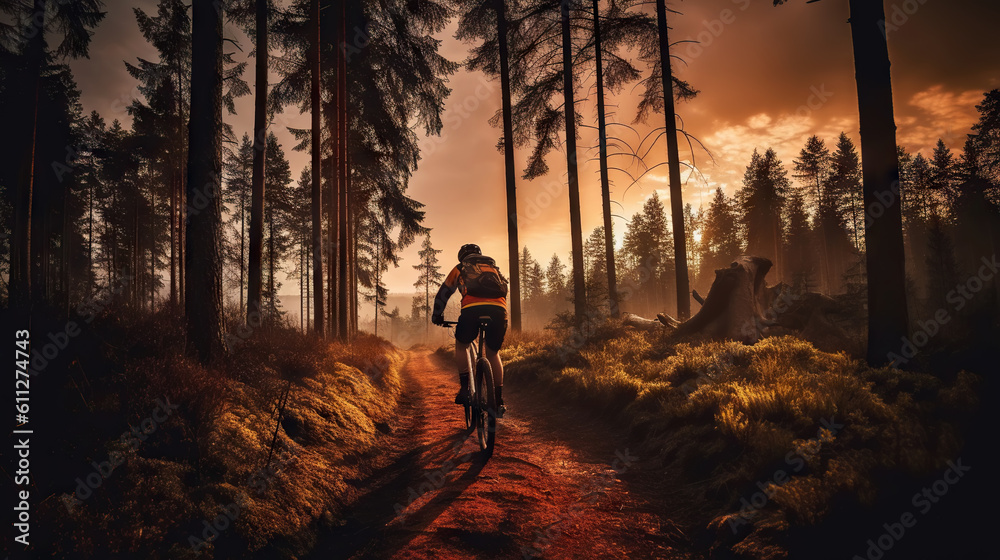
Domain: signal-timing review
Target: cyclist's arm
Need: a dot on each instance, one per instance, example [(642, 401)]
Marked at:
[(445, 291)]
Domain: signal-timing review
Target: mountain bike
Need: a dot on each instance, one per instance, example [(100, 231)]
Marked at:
[(481, 412)]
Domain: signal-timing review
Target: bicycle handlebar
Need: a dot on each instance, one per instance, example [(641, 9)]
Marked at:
[(455, 323)]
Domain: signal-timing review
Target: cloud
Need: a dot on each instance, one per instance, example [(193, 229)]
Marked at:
[(937, 112)]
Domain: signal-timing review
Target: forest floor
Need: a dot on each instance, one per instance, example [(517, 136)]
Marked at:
[(560, 484)]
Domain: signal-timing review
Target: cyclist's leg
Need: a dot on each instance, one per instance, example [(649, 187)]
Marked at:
[(465, 332), (496, 365), (495, 334), (462, 358)]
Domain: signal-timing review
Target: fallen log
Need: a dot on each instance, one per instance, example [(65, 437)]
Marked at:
[(633, 320)]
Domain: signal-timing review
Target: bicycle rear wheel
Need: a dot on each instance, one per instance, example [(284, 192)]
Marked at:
[(486, 422)]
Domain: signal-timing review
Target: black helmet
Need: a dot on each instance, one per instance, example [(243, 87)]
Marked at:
[(469, 249)]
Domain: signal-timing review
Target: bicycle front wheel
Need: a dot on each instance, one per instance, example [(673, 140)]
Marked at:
[(470, 409), (486, 423)]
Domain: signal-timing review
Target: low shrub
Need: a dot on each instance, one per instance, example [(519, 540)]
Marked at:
[(724, 419)]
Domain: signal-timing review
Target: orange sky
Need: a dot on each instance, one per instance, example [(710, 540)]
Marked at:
[(768, 77)]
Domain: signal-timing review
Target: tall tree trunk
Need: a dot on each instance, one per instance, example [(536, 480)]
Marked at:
[(113, 249), (203, 255), (887, 314), (182, 237), (378, 243), (674, 165), (243, 244), (353, 265), (174, 180), (514, 297), (317, 191), (302, 295), (331, 227), (136, 264), (576, 227), (90, 236), (272, 304), (427, 303), (308, 279), (64, 250), (40, 235), (181, 191), (259, 155), (602, 134), (21, 258), (22, 263), (343, 184), (333, 205), (152, 250)]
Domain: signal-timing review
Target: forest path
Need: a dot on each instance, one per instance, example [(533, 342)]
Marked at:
[(550, 489)]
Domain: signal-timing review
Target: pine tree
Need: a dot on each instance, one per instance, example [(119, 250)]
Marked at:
[(692, 223), (93, 132), (203, 259), (555, 284), (238, 173), (429, 277), (278, 223), (943, 178), (161, 121), (976, 206), (844, 186), (44, 20), (594, 256), (917, 192), (648, 254), (942, 271), (915, 173), (798, 253), (761, 200), (720, 242), (812, 167), (532, 277)]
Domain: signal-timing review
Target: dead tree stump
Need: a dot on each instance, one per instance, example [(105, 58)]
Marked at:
[(735, 304)]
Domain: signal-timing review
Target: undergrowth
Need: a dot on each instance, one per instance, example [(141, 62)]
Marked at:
[(723, 418), (220, 477)]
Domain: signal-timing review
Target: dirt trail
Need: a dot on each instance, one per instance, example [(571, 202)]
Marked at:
[(550, 489)]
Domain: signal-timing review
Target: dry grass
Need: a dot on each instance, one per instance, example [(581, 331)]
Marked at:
[(723, 416), (213, 452)]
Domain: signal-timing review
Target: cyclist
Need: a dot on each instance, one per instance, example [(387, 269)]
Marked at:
[(484, 293)]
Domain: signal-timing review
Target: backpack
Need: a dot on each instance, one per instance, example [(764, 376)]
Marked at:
[(482, 278)]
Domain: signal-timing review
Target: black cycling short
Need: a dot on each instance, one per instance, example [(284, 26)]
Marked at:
[(468, 325)]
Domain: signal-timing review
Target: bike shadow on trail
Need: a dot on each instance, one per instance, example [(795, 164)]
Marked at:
[(393, 487)]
